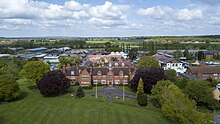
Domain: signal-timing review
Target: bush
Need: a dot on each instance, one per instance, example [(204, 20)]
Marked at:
[(141, 96), (77, 83), (53, 83), (213, 82), (9, 88), (142, 99), (213, 104), (80, 93)]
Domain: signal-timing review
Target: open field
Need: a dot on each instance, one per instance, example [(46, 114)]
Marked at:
[(97, 41), (36, 109)]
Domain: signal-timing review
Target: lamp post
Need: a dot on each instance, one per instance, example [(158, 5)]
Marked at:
[(123, 93), (96, 93)]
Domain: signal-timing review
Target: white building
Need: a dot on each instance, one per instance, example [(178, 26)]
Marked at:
[(170, 63), (51, 59)]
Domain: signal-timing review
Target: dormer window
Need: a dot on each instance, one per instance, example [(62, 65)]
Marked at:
[(72, 72), (99, 73), (121, 73)]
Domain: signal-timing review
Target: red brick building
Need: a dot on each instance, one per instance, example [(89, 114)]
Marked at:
[(204, 72), (101, 75)]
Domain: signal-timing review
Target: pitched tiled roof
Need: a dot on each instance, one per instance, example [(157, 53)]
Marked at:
[(104, 70), (125, 70), (163, 58), (205, 70), (116, 71), (76, 70), (95, 70), (174, 61)]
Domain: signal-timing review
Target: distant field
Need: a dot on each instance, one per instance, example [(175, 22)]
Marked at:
[(36, 109), (218, 43), (96, 41)]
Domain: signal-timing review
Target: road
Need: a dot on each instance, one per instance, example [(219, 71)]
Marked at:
[(110, 92)]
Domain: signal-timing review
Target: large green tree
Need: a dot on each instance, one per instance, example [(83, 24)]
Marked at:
[(200, 91), (9, 88), (176, 105), (171, 75), (69, 60), (34, 70), (13, 67), (177, 54), (187, 54), (146, 62), (181, 83), (133, 53)]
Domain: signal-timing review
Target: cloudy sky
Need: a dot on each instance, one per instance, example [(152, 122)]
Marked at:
[(79, 18)]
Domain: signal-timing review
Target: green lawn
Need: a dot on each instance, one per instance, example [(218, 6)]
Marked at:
[(64, 109)]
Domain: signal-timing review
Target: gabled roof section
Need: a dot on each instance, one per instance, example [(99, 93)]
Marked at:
[(104, 70)]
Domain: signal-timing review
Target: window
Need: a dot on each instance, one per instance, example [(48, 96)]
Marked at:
[(99, 73), (103, 81), (125, 81), (95, 81), (72, 72), (85, 76), (84, 83), (110, 79), (117, 81), (72, 77), (121, 73)]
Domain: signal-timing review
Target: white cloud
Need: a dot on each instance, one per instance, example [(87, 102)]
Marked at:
[(106, 23), (74, 15), (75, 6), (156, 12), (186, 14), (107, 14), (18, 21), (164, 13), (108, 11)]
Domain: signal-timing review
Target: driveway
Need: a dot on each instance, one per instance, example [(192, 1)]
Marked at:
[(111, 92), (217, 118)]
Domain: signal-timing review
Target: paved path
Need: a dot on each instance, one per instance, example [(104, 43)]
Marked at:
[(217, 118), (111, 92)]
